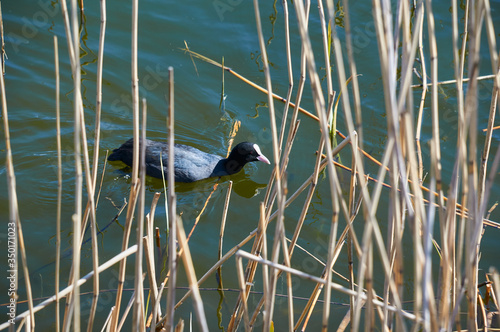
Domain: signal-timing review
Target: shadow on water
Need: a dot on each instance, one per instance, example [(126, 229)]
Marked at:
[(243, 185)]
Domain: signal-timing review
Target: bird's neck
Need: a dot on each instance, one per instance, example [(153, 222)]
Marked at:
[(233, 166)]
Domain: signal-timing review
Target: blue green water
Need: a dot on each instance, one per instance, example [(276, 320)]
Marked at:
[(219, 30)]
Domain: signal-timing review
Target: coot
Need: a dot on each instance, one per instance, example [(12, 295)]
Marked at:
[(190, 163)]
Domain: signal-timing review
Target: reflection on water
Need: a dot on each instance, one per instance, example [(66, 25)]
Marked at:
[(243, 185)]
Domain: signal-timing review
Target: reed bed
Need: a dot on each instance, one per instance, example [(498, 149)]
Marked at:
[(442, 226)]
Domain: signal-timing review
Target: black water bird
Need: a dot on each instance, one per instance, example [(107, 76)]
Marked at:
[(190, 164)]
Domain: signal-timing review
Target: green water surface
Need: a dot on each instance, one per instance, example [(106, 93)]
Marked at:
[(216, 29)]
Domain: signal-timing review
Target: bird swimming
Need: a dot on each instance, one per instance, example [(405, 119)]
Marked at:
[(190, 164)]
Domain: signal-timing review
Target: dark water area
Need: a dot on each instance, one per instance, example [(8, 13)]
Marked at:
[(229, 34)]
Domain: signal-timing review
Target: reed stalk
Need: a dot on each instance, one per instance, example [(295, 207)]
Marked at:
[(494, 100), (290, 73), (292, 131), (328, 67), (149, 250), (473, 225), (129, 307), (193, 284), (435, 109), (14, 219), (269, 307), (90, 209), (350, 237), (172, 216), (455, 81), (354, 74), (243, 294), (157, 304), (100, 61), (460, 160), (77, 216), (445, 259), (138, 318), (2, 43), (106, 326), (422, 100), (59, 183), (222, 228), (134, 192)]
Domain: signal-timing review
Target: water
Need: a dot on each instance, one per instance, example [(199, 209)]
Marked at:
[(228, 33)]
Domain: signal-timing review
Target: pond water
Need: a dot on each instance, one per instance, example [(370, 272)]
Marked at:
[(218, 30)]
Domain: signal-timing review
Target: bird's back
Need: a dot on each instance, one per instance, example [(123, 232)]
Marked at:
[(190, 164)]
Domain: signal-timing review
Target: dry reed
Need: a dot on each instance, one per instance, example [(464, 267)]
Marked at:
[(172, 235), (375, 276), (2, 43), (59, 182)]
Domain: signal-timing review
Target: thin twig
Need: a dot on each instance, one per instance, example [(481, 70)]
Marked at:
[(480, 78), (275, 96)]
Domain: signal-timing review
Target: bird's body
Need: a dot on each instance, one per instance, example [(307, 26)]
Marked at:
[(190, 164)]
